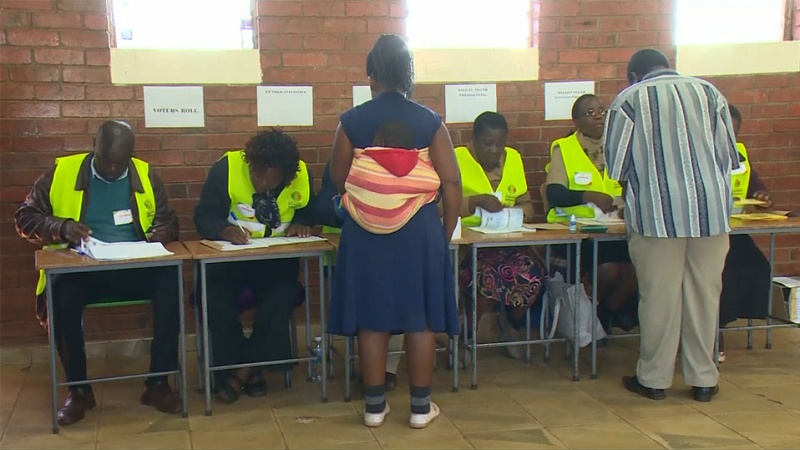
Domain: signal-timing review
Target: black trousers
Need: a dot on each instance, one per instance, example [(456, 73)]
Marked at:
[(745, 282), (71, 292), (277, 293)]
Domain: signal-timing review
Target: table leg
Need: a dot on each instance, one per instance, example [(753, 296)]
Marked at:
[(594, 308), (324, 361), (474, 349), (206, 350), (182, 342), (547, 265), (769, 292), (454, 339), (575, 374), (309, 348), (53, 379), (347, 367)]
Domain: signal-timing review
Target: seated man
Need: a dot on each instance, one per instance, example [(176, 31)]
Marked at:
[(264, 190), (113, 197)]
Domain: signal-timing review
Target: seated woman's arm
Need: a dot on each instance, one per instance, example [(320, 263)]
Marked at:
[(558, 192), (525, 202)]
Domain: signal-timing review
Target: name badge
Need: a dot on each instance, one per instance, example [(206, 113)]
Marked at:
[(123, 217), (247, 211), (583, 178)]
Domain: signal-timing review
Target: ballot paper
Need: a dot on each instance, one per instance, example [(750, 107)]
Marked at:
[(226, 246), (118, 251), (507, 220)]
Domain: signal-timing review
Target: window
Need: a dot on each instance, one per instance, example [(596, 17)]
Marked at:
[(469, 23), (183, 24), (729, 21)]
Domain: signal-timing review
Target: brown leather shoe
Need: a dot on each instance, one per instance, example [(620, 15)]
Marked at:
[(160, 396), (78, 401)]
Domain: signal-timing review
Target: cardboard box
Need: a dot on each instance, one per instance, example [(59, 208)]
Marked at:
[(786, 298)]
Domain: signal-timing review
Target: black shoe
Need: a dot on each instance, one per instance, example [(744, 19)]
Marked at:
[(256, 385), (704, 394), (632, 384)]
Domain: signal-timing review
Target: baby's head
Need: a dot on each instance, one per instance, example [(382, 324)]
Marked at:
[(396, 134)]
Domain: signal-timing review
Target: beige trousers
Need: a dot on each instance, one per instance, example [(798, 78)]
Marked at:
[(680, 280), (392, 361)]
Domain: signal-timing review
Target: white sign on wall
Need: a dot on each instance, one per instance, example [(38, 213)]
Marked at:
[(361, 95), (285, 106), (559, 97), (173, 107), (464, 102)]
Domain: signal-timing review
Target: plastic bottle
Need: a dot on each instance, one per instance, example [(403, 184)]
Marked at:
[(316, 363), (573, 225)]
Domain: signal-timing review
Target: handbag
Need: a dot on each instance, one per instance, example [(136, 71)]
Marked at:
[(561, 303)]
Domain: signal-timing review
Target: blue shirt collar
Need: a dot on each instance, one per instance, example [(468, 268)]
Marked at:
[(99, 177)]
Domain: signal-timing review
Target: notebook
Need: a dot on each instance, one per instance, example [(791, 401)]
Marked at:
[(119, 251), (226, 246)]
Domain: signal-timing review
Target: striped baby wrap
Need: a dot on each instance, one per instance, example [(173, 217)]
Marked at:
[(387, 186)]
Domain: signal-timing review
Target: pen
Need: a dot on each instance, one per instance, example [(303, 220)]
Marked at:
[(238, 224)]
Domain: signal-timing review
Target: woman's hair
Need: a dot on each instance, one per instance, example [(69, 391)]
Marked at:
[(576, 107), (489, 121), (735, 113), (273, 148), (390, 64)]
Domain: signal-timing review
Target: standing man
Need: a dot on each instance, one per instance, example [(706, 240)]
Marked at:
[(669, 140), (111, 196)]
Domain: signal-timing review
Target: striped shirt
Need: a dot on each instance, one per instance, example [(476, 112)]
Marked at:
[(669, 138)]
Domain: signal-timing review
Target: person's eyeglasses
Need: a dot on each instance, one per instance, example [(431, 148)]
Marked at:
[(593, 113)]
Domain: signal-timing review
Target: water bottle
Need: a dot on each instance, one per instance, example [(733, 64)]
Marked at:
[(573, 225), (316, 363)]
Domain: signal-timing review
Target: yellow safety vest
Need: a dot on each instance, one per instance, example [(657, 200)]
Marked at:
[(67, 202), (741, 178), (475, 182), (240, 189), (582, 176)]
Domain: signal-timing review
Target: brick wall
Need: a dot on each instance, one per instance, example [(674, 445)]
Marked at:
[(56, 90)]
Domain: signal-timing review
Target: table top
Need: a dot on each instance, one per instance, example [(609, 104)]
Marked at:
[(62, 259), (473, 237), (737, 227), (202, 251)]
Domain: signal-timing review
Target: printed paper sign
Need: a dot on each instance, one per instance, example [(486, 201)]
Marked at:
[(465, 102), (173, 107), (361, 94), (559, 97), (285, 106)]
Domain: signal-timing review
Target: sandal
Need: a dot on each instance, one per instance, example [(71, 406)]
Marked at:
[(228, 393), (256, 385)]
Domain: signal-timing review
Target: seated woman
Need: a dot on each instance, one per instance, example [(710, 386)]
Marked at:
[(577, 184), (264, 190), (511, 276), (746, 276)]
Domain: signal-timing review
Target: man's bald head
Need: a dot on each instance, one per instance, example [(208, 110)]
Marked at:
[(113, 148)]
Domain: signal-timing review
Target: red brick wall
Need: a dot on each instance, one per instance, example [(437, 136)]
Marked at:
[(56, 90)]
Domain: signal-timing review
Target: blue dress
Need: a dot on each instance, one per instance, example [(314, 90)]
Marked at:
[(400, 282)]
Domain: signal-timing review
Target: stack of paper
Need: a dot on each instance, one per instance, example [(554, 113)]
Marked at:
[(118, 251), (759, 216), (508, 220), (226, 246)]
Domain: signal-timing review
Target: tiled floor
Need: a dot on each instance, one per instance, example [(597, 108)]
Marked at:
[(516, 406)]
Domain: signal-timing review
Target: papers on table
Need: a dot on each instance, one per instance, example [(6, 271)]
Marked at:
[(758, 216), (749, 202), (545, 226), (508, 220), (226, 246), (118, 251)]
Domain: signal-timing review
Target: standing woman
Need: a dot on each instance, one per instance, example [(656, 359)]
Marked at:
[(400, 282)]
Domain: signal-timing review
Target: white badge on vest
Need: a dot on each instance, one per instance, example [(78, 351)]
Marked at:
[(123, 217), (583, 178)]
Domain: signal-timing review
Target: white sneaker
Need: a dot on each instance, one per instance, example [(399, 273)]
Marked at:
[(507, 333), (419, 421), (722, 357), (374, 420)]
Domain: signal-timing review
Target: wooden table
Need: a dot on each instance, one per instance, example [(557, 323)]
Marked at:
[(772, 228), (205, 255), (54, 262), (476, 241)]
